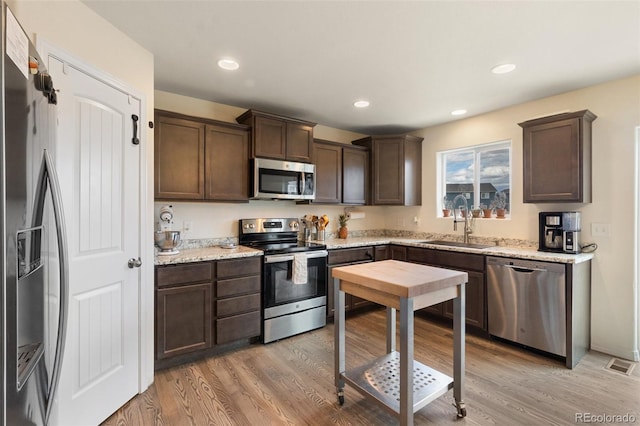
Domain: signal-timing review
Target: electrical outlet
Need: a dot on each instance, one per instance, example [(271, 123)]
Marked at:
[(600, 229), (187, 225)]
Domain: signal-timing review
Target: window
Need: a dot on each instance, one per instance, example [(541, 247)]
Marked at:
[(478, 173)]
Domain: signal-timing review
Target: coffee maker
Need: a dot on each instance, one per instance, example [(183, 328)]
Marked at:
[(559, 232)]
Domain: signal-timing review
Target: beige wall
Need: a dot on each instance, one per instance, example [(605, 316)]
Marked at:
[(617, 105)]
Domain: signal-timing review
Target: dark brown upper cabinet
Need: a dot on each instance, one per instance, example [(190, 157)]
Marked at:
[(355, 175), (341, 173), (395, 169), (278, 137), (328, 160), (200, 159), (557, 158), (226, 163)]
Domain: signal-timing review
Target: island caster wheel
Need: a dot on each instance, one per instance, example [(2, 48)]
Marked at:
[(341, 397), (462, 410)]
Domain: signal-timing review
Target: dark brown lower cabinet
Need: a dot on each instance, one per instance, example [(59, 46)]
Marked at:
[(201, 306), (475, 290), (237, 299), (183, 319), (343, 257)]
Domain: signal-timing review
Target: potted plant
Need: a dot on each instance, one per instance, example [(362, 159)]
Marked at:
[(343, 232), (446, 207), (500, 203), (486, 211), (475, 212)]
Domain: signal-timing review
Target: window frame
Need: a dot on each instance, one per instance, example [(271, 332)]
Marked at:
[(477, 151)]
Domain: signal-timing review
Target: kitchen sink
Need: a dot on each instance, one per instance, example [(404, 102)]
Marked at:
[(456, 244)]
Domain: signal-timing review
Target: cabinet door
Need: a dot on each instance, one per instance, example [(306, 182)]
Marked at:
[(183, 320), (552, 162), (398, 252), (299, 142), (269, 138), (557, 158), (226, 164), (355, 165), (388, 171), (179, 158), (474, 301), (328, 161)]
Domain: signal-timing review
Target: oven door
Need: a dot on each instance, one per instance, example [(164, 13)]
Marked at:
[(278, 287)]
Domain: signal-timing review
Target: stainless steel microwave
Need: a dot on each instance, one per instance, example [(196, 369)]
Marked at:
[(284, 180)]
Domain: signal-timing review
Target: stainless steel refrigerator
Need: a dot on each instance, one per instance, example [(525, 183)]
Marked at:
[(34, 259)]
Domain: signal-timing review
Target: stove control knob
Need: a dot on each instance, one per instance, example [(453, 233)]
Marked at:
[(249, 226), (293, 225)]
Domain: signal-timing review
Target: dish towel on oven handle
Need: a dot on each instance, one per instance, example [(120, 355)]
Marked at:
[(299, 268)]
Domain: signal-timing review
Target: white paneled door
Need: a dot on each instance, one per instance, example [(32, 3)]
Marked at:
[(99, 174)]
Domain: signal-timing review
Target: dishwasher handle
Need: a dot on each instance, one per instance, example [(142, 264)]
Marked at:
[(525, 270)]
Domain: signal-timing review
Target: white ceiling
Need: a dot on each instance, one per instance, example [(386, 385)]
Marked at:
[(414, 61)]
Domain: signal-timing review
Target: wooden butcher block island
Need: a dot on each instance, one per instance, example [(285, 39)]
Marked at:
[(395, 380)]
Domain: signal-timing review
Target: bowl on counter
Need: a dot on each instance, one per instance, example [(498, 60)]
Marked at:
[(167, 242)]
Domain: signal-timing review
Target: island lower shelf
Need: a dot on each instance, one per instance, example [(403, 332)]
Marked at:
[(380, 380)]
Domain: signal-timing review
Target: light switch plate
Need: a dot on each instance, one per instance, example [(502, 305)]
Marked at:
[(600, 229)]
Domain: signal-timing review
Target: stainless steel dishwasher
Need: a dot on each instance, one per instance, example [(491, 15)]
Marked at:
[(527, 303)]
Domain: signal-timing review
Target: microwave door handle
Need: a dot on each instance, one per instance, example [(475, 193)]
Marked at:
[(303, 183)]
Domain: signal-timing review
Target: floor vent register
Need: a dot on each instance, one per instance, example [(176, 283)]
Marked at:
[(621, 366)]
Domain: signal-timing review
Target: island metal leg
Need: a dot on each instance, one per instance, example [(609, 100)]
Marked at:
[(391, 330), (339, 339), (406, 361), (458, 351)]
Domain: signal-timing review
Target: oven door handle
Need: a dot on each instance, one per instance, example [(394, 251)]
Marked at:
[(288, 257)]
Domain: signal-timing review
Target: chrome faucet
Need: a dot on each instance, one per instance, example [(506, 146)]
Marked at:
[(467, 225)]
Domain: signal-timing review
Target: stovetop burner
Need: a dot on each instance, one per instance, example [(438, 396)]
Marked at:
[(274, 236)]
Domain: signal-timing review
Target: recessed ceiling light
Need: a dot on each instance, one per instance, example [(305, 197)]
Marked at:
[(228, 64), (503, 68), (459, 112), (361, 104)]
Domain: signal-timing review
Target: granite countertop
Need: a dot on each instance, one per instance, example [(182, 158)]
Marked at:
[(203, 254), (502, 251), (206, 253)]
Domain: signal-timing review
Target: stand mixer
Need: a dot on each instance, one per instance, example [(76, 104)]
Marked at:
[(165, 239)]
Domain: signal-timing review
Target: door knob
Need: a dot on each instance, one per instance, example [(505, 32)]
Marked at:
[(134, 263)]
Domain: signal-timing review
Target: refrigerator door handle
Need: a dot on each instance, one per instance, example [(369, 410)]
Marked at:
[(48, 179)]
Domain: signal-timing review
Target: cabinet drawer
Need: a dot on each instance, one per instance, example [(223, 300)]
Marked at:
[(239, 267), (238, 286), (237, 305), (350, 255), (183, 274), (446, 259), (238, 327)]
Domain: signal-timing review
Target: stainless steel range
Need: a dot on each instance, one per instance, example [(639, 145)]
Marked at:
[(294, 282)]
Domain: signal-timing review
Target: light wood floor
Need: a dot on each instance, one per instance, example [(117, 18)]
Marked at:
[(291, 382)]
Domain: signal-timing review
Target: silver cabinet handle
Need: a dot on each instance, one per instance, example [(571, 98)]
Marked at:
[(134, 263)]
